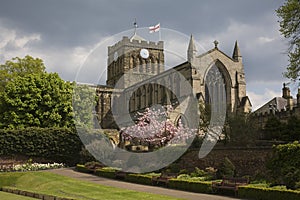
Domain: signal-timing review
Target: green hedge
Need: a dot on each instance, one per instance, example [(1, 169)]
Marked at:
[(267, 193), (192, 186), (54, 144), (248, 192), (139, 178), (105, 173), (83, 169), (284, 165)]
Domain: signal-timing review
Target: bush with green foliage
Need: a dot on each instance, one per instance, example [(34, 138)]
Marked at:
[(183, 171), (173, 168), (226, 169), (284, 165), (84, 103), (53, 144), (277, 130), (190, 185), (240, 130), (263, 193), (83, 169), (17, 67), (273, 128), (139, 178), (93, 165), (198, 172), (37, 100), (106, 172)]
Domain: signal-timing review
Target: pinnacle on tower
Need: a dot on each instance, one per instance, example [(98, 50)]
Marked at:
[(135, 36), (192, 51), (236, 52)]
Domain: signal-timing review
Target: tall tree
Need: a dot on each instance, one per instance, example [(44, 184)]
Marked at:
[(84, 103), (290, 28), (37, 100), (19, 67), (240, 130)]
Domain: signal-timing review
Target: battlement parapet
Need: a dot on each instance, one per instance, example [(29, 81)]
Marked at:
[(282, 114), (136, 43)]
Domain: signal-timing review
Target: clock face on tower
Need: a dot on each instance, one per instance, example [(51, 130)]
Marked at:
[(144, 53)]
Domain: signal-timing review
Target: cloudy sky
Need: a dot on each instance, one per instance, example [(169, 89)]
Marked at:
[(64, 32)]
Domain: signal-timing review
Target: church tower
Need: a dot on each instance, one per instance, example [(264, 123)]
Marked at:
[(136, 56)]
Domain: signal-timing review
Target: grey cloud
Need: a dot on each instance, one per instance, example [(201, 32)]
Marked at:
[(65, 24)]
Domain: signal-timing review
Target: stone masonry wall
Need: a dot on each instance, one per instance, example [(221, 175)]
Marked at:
[(248, 161)]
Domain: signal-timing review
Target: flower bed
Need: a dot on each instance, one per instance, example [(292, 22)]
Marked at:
[(29, 166)]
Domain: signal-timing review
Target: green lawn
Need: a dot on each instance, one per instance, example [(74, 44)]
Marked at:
[(9, 196), (52, 184)]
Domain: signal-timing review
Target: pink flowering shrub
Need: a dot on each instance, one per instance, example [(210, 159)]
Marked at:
[(153, 128)]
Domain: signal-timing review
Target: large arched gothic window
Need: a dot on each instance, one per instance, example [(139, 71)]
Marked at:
[(215, 89)]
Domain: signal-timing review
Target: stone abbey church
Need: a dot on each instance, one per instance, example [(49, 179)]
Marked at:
[(135, 68)]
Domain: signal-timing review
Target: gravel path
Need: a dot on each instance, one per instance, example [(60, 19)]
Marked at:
[(137, 187)]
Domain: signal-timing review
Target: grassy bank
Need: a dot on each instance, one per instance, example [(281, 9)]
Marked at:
[(52, 184)]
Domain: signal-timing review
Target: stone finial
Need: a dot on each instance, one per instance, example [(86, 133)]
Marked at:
[(216, 44), (236, 52), (192, 51)]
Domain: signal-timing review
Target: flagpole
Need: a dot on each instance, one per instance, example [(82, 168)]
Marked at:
[(159, 34)]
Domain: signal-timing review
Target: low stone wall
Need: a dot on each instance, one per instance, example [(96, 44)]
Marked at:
[(248, 161), (33, 194)]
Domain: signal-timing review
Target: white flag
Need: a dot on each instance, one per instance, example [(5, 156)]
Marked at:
[(155, 28)]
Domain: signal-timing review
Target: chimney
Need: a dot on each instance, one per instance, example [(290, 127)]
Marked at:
[(286, 93)]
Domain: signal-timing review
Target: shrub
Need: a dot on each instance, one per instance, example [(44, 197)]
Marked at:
[(93, 165), (106, 173), (83, 169), (183, 177), (211, 173), (174, 168), (251, 192), (192, 186), (53, 144), (183, 171), (284, 165), (226, 169), (85, 156), (139, 178), (198, 172)]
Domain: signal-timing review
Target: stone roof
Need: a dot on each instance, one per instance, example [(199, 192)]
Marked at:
[(244, 101)]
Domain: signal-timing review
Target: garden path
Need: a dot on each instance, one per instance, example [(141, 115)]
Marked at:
[(137, 187)]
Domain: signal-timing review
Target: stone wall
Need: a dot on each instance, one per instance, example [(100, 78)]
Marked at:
[(262, 118), (248, 161)]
